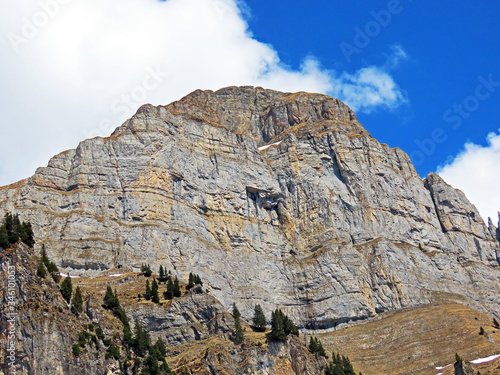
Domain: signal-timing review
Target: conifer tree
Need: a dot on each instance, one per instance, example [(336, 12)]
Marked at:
[(236, 312), (160, 346), (146, 270), (281, 326), (11, 228), (197, 280), (259, 319), (127, 335), (66, 289), (321, 349), (110, 300), (51, 267), (141, 340), (41, 271), (4, 237), (150, 366), (27, 234), (77, 302), (112, 352), (161, 274), (316, 347), (277, 327), (16, 226), (177, 289), (154, 292), (313, 345), (238, 330), (147, 295), (289, 327), (43, 256), (53, 271), (100, 333), (169, 293), (191, 281)]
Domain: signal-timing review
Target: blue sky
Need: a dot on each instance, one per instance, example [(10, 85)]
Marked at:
[(421, 75), (449, 45)]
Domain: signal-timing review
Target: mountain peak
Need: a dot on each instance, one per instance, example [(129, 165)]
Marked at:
[(262, 114)]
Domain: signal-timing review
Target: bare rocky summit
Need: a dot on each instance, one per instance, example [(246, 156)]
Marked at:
[(274, 198)]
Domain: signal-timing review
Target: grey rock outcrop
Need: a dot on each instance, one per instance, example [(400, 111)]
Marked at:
[(44, 328), (196, 316), (325, 222)]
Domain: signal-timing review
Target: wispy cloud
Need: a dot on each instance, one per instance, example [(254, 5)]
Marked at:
[(369, 89)]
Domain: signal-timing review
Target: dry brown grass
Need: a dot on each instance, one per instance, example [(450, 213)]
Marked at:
[(416, 340)]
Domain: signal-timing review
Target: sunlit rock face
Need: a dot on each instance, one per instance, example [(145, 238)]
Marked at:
[(326, 223)]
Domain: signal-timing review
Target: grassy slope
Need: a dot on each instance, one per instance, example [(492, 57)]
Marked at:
[(416, 340)]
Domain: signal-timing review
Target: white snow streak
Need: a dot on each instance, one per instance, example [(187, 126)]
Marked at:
[(486, 359), (262, 148)]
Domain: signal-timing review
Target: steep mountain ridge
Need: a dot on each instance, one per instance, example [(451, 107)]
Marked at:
[(326, 222), (195, 328)]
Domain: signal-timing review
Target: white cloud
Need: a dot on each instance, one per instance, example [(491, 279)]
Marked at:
[(75, 69), (368, 89), (476, 171)]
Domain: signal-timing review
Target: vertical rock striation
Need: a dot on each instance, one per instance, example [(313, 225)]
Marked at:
[(272, 198)]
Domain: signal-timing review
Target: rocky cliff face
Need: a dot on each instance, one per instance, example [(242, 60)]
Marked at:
[(195, 328), (272, 198)]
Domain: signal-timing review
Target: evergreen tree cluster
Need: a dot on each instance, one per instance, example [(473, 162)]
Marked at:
[(13, 230), (339, 365), (193, 280), (85, 338), (146, 270), (281, 326), (173, 289), (163, 275), (47, 267), (152, 292), (66, 289), (316, 347), (112, 303), (154, 362)]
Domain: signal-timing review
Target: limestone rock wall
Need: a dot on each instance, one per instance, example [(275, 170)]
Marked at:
[(325, 222)]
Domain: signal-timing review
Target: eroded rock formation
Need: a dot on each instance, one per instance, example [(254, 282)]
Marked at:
[(326, 223)]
